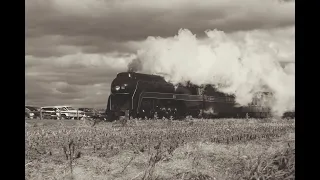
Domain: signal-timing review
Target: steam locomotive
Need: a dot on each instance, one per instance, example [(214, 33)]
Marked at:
[(146, 96)]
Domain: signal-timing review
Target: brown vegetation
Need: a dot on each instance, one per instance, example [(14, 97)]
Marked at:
[(161, 149)]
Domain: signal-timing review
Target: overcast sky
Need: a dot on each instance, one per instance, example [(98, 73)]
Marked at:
[(74, 48)]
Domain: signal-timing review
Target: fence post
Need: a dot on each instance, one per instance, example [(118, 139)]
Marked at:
[(60, 118), (41, 118)]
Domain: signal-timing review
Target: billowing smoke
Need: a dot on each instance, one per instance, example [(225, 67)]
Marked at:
[(240, 65), (135, 65)]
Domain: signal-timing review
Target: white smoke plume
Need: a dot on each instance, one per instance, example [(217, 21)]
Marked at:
[(238, 64), (135, 65)]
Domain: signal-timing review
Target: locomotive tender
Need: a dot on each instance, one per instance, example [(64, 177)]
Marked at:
[(147, 96)]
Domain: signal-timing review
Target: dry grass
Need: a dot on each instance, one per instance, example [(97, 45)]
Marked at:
[(161, 149)]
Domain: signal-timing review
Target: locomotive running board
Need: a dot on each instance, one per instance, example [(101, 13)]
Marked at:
[(183, 97)]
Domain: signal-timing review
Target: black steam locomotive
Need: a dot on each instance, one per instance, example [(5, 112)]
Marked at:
[(147, 96)]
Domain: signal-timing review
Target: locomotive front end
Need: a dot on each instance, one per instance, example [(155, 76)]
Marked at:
[(120, 99)]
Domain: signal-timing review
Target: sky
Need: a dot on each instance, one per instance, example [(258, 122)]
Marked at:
[(75, 48)]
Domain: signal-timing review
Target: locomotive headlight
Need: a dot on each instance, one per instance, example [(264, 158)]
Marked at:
[(124, 86), (117, 88)]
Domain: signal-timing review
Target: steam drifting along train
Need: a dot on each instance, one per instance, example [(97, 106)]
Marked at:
[(147, 96)]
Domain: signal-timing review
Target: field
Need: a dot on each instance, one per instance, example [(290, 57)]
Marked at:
[(160, 149)]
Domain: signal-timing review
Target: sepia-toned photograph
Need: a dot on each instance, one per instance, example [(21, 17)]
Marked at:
[(160, 90)]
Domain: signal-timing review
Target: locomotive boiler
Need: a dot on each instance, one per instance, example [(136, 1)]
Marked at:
[(147, 96)]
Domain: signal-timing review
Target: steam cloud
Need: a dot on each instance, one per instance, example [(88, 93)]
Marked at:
[(135, 65), (241, 66)]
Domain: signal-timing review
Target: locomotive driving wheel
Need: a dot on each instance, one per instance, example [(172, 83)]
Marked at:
[(146, 111), (146, 114), (181, 112)]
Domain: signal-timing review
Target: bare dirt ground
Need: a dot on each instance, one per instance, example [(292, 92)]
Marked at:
[(160, 149)]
